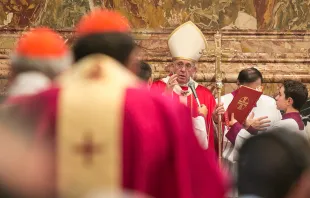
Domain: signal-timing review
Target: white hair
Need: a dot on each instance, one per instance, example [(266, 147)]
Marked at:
[(50, 66)]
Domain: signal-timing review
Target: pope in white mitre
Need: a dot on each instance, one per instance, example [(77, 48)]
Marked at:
[(186, 44)]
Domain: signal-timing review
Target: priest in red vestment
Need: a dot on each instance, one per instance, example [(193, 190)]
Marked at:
[(40, 55), (109, 134), (186, 45)]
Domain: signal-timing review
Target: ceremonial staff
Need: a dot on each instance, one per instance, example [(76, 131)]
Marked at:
[(219, 85)]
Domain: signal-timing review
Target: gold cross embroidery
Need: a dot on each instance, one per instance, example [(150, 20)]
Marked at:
[(243, 103), (88, 148)]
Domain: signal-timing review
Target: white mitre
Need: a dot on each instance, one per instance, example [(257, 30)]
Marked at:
[(187, 42)]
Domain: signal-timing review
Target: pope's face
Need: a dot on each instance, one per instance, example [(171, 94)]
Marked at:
[(184, 69)]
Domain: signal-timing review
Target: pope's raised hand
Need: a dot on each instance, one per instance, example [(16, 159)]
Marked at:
[(171, 83)]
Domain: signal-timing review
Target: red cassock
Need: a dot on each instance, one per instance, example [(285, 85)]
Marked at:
[(156, 152), (205, 97)]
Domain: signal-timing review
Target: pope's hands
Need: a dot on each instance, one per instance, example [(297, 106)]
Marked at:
[(171, 83)]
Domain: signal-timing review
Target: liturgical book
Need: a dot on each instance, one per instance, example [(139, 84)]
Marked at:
[(243, 103)]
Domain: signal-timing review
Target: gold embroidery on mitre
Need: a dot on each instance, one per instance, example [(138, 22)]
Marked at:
[(243, 103), (89, 127)]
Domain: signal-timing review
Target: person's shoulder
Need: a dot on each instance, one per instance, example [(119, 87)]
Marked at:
[(143, 94), (268, 99), (265, 97), (152, 102), (158, 86), (155, 111), (203, 88), (227, 96), (10, 100), (47, 96), (159, 82), (287, 124), (47, 93)]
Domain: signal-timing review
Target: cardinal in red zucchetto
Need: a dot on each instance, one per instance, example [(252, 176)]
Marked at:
[(110, 133), (40, 55)]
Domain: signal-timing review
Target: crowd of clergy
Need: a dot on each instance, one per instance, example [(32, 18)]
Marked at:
[(89, 121)]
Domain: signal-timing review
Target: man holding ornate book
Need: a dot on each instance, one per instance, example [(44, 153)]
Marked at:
[(259, 116), (257, 111)]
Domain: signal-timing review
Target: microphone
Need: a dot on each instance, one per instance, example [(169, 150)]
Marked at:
[(191, 85)]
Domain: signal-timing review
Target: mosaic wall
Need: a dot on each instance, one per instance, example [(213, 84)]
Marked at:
[(160, 14), (272, 35)]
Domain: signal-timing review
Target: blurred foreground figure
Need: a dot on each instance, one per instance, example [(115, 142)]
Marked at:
[(145, 73), (274, 165), (40, 55), (108, 34), (110, 135), (116, 194), (23, 167), (305, 112)]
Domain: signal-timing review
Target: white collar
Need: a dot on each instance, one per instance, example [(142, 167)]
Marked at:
[(28, 83)]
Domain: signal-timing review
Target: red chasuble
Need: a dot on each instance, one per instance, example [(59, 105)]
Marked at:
[(109, 134), (205, 97)]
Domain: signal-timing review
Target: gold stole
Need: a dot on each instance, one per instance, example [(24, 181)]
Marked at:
[(89, 126)]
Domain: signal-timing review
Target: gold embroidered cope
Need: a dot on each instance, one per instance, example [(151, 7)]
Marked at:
[(89, 126)]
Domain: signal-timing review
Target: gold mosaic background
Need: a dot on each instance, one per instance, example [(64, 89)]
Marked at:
[(161, 14), (272, 35)]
